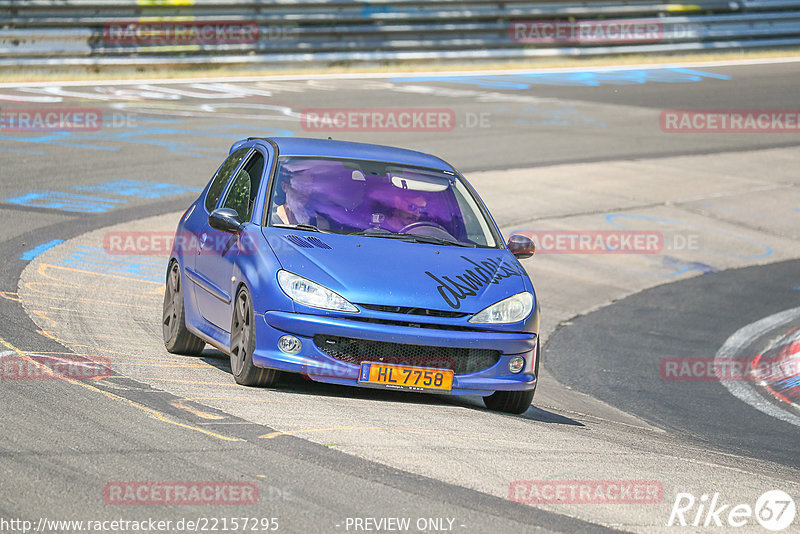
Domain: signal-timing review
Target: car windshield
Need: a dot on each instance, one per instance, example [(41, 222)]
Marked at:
[(377, 199)]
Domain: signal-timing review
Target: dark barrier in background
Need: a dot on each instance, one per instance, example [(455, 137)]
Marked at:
[(141, 32)]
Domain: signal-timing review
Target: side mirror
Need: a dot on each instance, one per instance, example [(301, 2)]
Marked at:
[(225, 220), (520, 246)]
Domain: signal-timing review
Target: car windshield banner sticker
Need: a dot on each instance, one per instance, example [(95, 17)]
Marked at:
[(489, 271)]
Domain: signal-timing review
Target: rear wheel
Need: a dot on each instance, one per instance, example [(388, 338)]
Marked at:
[(243, 343), (177, 337), (509, 401)]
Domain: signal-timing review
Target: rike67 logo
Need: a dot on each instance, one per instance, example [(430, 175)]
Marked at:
[(774, 510)]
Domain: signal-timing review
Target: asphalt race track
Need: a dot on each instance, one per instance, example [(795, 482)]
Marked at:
[(549, 152), (683, 327)]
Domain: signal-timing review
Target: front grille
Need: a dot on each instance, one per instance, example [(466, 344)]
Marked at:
[(355, 351), (409, 324), (414, 311)]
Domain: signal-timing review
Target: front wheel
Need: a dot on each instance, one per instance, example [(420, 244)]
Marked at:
[(509, 401), (243, 343)]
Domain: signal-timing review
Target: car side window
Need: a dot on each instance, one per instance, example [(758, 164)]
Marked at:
[(244, 188), (221, 178)]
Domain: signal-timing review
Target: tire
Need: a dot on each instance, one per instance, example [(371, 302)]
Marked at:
[(243, 343), (509, 401), (177, 338)]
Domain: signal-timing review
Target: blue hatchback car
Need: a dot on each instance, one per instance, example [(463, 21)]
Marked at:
[(353, 264)]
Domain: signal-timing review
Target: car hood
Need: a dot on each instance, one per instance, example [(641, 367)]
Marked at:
[(391, 272)]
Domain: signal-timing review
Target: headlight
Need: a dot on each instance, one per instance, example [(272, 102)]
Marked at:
[(511, 310), (312, 294)]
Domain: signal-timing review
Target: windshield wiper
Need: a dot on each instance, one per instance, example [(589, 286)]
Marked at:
[(376, 232), (300, 226), (435, 240), (417, 238)]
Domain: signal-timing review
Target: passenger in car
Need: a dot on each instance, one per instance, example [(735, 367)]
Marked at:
[(297, 208)]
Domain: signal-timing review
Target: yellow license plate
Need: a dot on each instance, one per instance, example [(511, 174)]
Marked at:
[(405, 377)]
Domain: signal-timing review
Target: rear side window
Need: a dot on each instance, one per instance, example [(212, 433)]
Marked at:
[(221, 178)]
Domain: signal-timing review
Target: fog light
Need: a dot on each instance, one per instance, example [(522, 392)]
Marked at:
[(516, 364), (290, 344)]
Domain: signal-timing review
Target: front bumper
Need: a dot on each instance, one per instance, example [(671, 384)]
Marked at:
[(321, 367)]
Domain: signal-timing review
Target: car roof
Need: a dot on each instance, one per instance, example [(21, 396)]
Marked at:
[(307, 146)]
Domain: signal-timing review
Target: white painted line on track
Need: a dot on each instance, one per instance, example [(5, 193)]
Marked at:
[(382, 75), (734, 345)]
